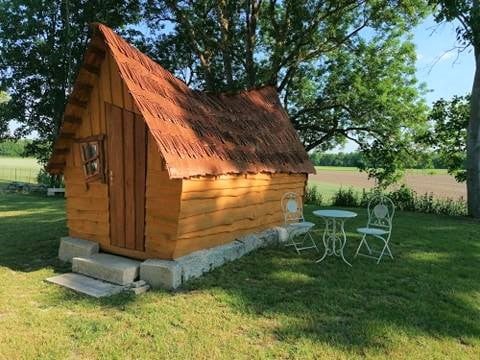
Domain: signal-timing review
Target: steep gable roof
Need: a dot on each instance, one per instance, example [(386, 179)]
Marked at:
[(207, 134)]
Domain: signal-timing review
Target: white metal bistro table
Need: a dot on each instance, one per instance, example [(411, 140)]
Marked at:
[(334, 237)]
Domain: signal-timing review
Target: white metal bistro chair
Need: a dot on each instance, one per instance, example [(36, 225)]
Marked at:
[(298, 228), (379, 226)]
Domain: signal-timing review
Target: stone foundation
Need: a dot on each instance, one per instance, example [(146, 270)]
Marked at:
[(170, 274)]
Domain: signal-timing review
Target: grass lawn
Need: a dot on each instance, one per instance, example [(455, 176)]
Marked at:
[(18, 169), (271, 304)]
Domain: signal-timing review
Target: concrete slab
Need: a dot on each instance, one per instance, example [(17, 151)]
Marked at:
[(86, 285), (71, 247), (111, 268)]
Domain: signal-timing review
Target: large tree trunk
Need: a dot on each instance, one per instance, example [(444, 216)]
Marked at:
[(473, 144)]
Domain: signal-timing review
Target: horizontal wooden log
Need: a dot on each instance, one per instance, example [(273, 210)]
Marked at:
[(90, 190), (189, 185), (87, 203), (218, 218), (219, 193), (193, 207), (236, 227), (92, 215), (89, 227), (186, 247)]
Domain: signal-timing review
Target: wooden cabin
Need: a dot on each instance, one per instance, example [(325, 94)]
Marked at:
[(154, 169)]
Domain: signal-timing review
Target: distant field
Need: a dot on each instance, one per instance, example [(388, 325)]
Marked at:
[(436, 181), (18, 169)]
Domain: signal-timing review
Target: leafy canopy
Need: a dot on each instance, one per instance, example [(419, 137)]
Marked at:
[(42, 44), (343, 69)]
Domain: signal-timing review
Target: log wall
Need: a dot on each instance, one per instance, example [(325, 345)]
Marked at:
[(217, 210)]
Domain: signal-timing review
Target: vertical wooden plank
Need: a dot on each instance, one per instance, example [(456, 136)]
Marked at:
[(140, 181), (129, 188), (95, 112), (116, 84), (116, 175), (105, 80), (127, 99)]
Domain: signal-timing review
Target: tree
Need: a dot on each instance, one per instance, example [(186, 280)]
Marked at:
[(467, 14), (448, 135), (42, 43), (344, 69)]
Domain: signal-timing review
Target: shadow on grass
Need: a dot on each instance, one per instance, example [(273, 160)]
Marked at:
[(30, 229), (429, 289)]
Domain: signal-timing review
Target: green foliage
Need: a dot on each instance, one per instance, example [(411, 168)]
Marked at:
[(405, 199), (313, 196), (421, 160), (49, 180), (13, 148), (335, 83), (42, 44), (448, 135), (352, 159), (346, 197)]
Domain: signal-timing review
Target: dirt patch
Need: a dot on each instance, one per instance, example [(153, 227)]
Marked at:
[(440, 185)]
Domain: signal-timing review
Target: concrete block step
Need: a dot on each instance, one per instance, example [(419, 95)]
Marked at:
[(111, 268), (71, 247), (86, 285)]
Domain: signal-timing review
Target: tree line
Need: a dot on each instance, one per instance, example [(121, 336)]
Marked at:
[(427, 160)]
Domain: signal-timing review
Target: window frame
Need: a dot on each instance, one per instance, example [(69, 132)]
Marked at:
[(98, 140)]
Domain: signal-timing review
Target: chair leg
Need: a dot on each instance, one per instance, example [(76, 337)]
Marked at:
[(312, 240), (364, 241), (385, 247)]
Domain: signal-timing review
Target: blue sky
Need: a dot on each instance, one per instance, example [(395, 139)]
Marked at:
[(444, 70)]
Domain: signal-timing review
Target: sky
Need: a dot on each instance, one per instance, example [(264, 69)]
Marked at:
[(444, 70)]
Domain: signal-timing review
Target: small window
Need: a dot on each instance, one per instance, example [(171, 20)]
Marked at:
[(91, 150)]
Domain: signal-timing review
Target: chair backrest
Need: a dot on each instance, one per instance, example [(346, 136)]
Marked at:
[(292, 207), (380, 212)]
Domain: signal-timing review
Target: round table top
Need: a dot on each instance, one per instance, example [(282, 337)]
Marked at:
[(337, 214)]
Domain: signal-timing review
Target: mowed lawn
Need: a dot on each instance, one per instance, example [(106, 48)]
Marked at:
[(270, 304), (18, 169)]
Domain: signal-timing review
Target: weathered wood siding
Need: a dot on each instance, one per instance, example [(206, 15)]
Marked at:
[(162, 206), (216, 210)]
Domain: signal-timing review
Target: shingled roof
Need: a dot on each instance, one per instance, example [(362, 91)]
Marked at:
[(200, 133)]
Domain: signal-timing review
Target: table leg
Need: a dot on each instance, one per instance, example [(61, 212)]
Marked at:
[(325, 239), (344, 242), (331, 237)]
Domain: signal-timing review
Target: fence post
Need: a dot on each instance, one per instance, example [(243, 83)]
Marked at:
[(15, 174)]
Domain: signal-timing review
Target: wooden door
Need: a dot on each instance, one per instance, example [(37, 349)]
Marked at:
[(126, 173)]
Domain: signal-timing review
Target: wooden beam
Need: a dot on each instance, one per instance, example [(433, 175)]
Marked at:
[(61, 151), (91, 69), (57, 165), (67, 135), (97, 51), (77, 102), (81, 86), (72, 119)]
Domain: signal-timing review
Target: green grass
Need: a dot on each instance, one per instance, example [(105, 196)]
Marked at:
[(19, 169), (270, 304), (328, 190)]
